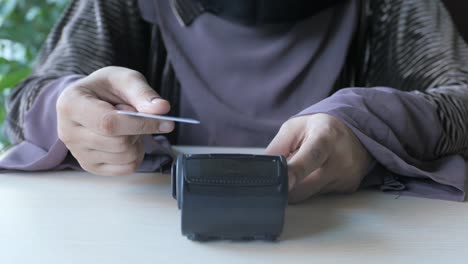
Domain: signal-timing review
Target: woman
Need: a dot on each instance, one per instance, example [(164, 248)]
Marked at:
[(362, 92)]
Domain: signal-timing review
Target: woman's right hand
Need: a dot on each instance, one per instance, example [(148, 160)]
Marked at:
[(103, 141)]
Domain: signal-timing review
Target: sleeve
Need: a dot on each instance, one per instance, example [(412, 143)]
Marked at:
[(414, 118), (90, 35), (41, 149)]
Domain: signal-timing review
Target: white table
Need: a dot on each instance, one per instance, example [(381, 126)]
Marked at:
[(73, 217)]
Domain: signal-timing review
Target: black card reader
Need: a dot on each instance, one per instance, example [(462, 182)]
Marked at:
[(231, 196)]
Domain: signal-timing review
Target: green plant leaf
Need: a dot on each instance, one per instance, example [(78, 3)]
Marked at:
[(24, 23), (13, 78)]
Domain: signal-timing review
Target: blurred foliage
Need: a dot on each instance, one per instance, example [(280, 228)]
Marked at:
[(24, 25)]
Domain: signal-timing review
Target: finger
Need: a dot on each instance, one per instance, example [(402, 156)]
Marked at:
[(287, 140), (124, 169), (310, 156), (108, 122), (326, 179), (98, 157), (312, 184), (82, 138), (115, 170), (117, 166), (130, 108), (101, 157), (132, 88)]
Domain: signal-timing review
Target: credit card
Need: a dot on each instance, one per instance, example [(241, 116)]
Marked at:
[(160, 117)]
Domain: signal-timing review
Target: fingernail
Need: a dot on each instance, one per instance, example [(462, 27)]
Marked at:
[(166, 127), (155, 100)]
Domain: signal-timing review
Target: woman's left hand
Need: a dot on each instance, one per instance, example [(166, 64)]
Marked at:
[(323, 156)]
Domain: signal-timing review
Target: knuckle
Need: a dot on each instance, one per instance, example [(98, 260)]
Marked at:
[(81, 157), (91, 168), (131, 75), (118, 76), (64, 137), (123, 143), (107, 124), (286, 126), (316, 154), (149, 126), (298, 172), (285, 130), (128, 156), (106, 71), (334, 129), (94, 141), (128, 169), (324, 141), (142, 126), (109, 68), (133, 166), (63, 105), (292, 125), (120, 148)]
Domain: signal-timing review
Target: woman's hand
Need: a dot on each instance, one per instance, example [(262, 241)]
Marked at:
[(103, 141), (323, 156)]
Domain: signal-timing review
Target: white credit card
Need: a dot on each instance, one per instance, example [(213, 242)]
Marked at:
[(160, 117)]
